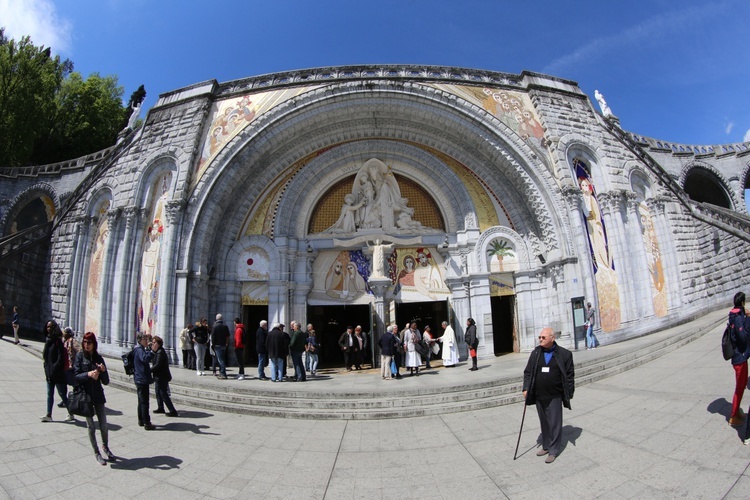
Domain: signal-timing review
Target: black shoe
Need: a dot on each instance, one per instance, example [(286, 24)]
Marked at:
[(140, 424), (61, 405), (149, 426), (110, 456), (159, 410), (173, 414)]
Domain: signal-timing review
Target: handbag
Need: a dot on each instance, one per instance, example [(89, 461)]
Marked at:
[(420, 348), (79, 402)]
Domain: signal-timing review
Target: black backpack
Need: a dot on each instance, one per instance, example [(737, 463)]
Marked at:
[(727, 348), (128, 362)]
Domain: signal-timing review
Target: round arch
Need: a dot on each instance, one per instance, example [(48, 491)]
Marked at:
[(705, 186)]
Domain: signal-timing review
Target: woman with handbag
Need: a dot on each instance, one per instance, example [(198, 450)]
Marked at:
[(413, 359), (91, 372)]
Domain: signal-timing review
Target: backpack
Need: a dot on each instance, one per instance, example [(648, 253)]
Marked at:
[(727, 348), (128, 362)]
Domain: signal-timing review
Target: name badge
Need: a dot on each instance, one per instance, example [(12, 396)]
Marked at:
[(545, 369)]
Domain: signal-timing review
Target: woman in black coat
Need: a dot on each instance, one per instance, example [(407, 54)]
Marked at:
[(472, 341), (90, 373), (162, 377), (55, 357)]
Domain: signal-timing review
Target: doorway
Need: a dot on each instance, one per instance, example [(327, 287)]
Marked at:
[(502, 324), (251, 318), (424, 313), (329, 322)]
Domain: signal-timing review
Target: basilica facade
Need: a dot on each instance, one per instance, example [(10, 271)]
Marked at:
[(379, 195)]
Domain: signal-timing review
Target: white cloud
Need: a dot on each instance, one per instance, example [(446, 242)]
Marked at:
[(37, 19), (728, 128), (659, 26), (747, 136)]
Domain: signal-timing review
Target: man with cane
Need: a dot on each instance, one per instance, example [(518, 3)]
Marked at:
[(549, 382)]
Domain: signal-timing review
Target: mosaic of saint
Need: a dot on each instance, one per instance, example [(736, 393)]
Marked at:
[(417, 275), (96, 267), (341, 277), (653, 260), (604, 266), (148, 290)]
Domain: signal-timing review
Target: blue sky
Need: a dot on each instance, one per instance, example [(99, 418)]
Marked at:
[(672, 70)]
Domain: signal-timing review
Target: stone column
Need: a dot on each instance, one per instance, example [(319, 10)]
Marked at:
[(671, 265), (108, 267), (134, 274), (639, 275), (74, 285), (573, 198), (379, 287), (166, 323), (616, 239), (122, 280)]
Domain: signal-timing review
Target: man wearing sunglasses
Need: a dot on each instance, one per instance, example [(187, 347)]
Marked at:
[(548, 382)]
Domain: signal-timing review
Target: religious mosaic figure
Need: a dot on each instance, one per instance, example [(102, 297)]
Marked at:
[(151, 259), (344, 280), (653, 260), (96, 267), (427, 275), (604, 267)]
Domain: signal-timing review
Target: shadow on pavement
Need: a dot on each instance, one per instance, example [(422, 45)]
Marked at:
[(720, 406), (160, 462), (185, 427)]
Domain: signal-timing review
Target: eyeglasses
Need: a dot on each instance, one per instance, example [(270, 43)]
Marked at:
[(542, 338)]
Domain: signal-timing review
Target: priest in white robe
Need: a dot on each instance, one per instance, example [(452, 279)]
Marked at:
[(450, 345)]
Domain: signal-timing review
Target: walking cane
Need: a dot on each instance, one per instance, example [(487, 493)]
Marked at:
[(520, 430)]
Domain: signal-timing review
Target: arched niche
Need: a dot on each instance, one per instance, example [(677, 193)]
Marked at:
[(641, 185), (492, 240), (704, 186)]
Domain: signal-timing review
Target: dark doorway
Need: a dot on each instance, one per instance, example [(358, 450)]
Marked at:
[(251, 318), (330, 322), (424, 313), (502, 323)]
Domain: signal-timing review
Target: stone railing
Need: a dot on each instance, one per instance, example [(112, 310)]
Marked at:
[(738, 148), (55, 168), (16, 242)]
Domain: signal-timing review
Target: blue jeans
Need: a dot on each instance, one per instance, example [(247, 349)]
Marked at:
[(299, 368), (311, 361), (200, 357), (277, 365), (62, 390), (262, 360), (590, 339), (219, 350)]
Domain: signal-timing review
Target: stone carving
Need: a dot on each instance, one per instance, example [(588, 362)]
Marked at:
[(606, 112), (378, 258), (375, 203)]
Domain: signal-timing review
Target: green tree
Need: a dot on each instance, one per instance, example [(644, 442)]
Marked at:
[(499, 249), (29, 79), (88, 116)]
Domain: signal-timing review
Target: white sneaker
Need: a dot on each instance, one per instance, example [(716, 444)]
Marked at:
[(203, 374), (240, 377), (70, 418), (746, 441), (198, 373), (46, 418)]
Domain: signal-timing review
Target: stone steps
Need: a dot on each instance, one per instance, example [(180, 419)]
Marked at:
[(394, 401)]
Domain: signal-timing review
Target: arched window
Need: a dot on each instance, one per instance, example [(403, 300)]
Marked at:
[(703, 186)]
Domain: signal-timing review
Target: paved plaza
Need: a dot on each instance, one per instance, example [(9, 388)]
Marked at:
[(657, 431)]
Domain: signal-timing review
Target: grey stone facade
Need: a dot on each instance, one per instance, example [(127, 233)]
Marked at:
[(434, 126)]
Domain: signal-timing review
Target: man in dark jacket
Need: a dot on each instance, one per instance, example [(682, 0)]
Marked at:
[(220, 341), (549, 381), (296, 348), (261, 349), (142, 356), (388, 344), (347, 345), (277, 349), (162, 377), (54, 357)]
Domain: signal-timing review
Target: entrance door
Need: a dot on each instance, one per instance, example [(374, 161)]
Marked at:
[(502, 323), (424, 313), (251, 318), (330, 322)]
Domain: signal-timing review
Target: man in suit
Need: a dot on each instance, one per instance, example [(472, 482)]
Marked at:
[(549, 382), (347, 343)]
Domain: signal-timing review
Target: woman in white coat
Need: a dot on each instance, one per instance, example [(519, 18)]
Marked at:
[(450, 346), (413, 359)]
